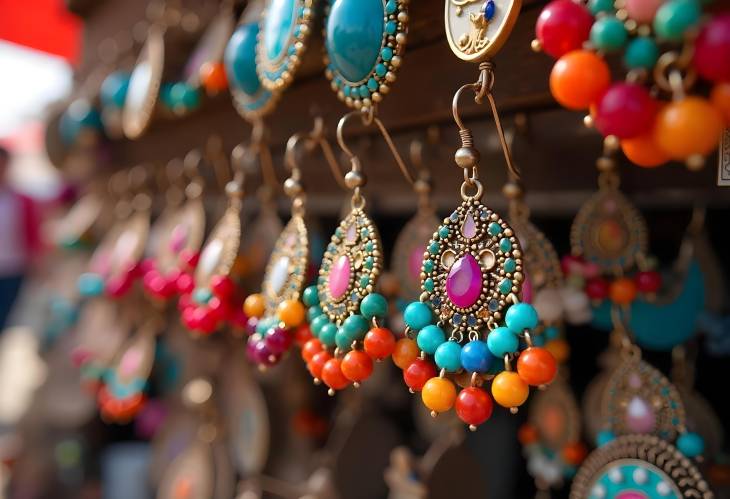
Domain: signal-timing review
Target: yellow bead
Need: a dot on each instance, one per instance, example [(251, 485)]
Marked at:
[(438, 394), (509, 390), (291, 313), (559, 348), (255, 305)]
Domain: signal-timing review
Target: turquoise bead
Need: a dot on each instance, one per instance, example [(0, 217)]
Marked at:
[(428, 284), (691, 444), (604, 437), (202, 295), (353, 37), (428, 266), (381, 69), (505, 245), (417, 315), (434, 248), (316, 325), (90, 284), (502, 341), (184, 97), (386, 53), (443, 232), (391, 7), (429, 338), (343, 339), (240, 59), (641, 53), (314, 312), (448, 356), (373, 85), (675, 17), (113, 91), (328, 334), (391, 27), (598, 6), (505, 286), (510, 265), (310, 297), (356, 326), (609, 34), (374, 305), (521, 316), (277, 27), (494, 229)]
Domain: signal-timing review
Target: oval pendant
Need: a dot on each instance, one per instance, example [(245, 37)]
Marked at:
[(477, 29), (221, 248), (144, 84), (133, 365), (287, 268)]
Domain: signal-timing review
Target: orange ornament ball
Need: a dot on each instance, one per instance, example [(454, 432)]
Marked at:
[(405, 351), (579, 78), (574, 453), (213, 77), (622, 291), (379, 343), (311, 348), (527, 434), (357, 366), (317, 363), (333, 376), (536, 366), (720, 97), (688, 127), (644, 151)]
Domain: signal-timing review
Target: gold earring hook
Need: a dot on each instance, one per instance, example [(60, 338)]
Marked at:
[(316, 138), (260, 147)]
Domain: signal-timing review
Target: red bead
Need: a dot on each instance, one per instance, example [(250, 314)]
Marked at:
[(417, 373), (332, 374), (571, 264), (597, 288), (379, 343), (317, 363), (712, 49), (237, 317), (222, 286), (147, 265), (184, 302), (189, 258), (205, 320), (473, 406), (189, 318), (118, 286), (185, 283), (357, 366), (626, 110), (648, 282), (302, 335), (311, 348), (563, 26), (219, 308), (536, 366)]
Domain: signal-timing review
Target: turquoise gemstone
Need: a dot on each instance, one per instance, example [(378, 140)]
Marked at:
[(675, 17), (90, 284), (505, 245), (374, 305), (364, 93), (505, 286), (391, 27), (641, 53), (604, 437), (364, 232), (373, 85), (368, 263), (113, 91), (609, 34), (428, 266), (381, 69), (448, 356), (318, 323), (354, 35), (510, 265), (356, 326), (502, 341), (369, 246), (429, 338), (313, 312), (417, 315), (428, 284), (443, 232), (202, 295), (494, 229), (346, 91), (328, 334), (691, 444), (364, 281), (278, 25), (598, 6), (521, 316), (434, 248), (391, 7), (386, 53), (240, 59), (310, 297)]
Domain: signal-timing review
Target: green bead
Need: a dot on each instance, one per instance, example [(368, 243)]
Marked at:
[(318, 323), (314, 312), (428, 266), (443, 232), (691, 444), (364, 281), (428, 284), (328, 334), (434, 248), (642, 53), (609, 34), (368, 263), (184, 97), (505, 286), (675, 17), (417, 315), (310, 297), (510, 265), (90, 284), (374, 305), (386, 53), (343, 339), (598, 6), (355, 326), (202, 295), (494, 229), (505, 245)]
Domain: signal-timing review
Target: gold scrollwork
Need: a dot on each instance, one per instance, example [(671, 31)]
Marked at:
[(476, 39)]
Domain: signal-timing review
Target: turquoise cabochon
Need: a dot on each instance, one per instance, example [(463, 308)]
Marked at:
[(661, 327)]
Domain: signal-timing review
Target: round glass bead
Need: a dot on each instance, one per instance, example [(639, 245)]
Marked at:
[(356, 326), (521, 316), (641, 53), (374, 305), (317, 324), (476, 357), (675, 17), (429, 338), (598, 6), (563, 25), (502, 341), (417, 315), (609, 34), (328, 334), (691, 444), (448, 356), (313, 312), (310, 297)]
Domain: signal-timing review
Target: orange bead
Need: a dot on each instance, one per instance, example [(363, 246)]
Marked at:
[(317, 363), (302, 334), (720, 97), (509, 390), (644, 151), (560, 349), (213, 77), (332, 375), (622, 291), (254, 305), (291, 313), (687, 127), (579, 78), (311, 348), (536, 366), (379, 343), (357, 366), (405, 352), (574, 453), (438, 394), (527, 434)]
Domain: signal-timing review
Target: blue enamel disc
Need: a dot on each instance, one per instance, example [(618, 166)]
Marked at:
[(364, 41)]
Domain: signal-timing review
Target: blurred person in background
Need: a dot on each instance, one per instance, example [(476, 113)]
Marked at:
[(19, 238)]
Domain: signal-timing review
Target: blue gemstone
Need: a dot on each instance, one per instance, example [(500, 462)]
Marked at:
[(386, 53), (277, 27), (454, 216), (471, 320), (354, 36), (113, 90), (456, 319), (240, 59), (391, 27), (489, 9), (391, 7)]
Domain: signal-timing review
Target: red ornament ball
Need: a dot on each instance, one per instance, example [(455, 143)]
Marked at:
[(474, 406), (417, 373), (357, 366), (333, 376), (536, 366), (563, 26), (712, 50), (597, 288), (648, 282), (379, 343), (626, 110)]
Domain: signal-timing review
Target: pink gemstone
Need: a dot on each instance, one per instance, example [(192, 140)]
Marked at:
[(640, 417), (631, 495), (527, 289), (634, 381), (415, 260), (351, 235), (642, 11), (178, 238), (339, 278), (469, 227), (464, 282), (130, 362)]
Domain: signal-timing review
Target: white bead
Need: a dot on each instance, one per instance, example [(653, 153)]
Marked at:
[(640, 476), (574, 300), (615, 475), (549, 305), (663, 488), (279, 274), (598, 491)]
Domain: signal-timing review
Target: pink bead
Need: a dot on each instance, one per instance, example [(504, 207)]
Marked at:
[(643, 11), (222, 286), (572, 264), (185, 283), (464, 282), (563, 26), (147, 265), (712, 49), (597, 288), (626, 110), (648, 282), (278, 340), (339, 278), (640, 416), (251, 324)]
